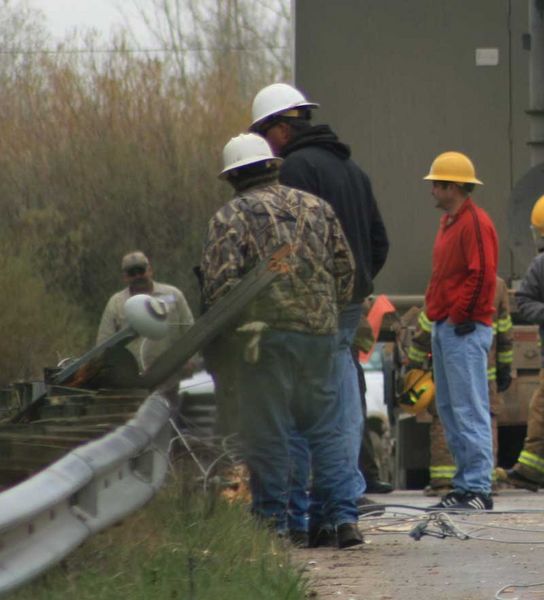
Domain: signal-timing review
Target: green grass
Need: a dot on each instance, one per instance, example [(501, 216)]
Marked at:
[(182, 545)]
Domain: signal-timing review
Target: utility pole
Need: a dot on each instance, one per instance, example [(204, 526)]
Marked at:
[(536, 81)]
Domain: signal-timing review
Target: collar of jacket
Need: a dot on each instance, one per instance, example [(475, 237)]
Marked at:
[(257, 181), (317, 135), (449, 220)]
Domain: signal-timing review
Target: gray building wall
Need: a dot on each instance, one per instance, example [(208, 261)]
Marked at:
[(398, 81)]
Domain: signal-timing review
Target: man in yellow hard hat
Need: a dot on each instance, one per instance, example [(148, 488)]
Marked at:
[(528, 472), (459, 301)]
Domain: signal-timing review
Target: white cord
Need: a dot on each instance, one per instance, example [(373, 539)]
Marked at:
[(516, 585), (181, 437)]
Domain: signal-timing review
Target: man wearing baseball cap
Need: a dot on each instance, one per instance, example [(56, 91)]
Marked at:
[(138, 276)]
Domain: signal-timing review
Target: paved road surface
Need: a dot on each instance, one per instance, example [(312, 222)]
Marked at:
[(393, 566)]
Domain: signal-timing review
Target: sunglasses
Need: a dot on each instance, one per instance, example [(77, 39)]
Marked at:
[(133, 271), (265, 127)]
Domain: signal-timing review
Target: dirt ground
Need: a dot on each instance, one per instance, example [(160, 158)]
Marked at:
[(391, 565)]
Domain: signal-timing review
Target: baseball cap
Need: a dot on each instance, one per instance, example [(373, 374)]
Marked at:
[(134, 259)]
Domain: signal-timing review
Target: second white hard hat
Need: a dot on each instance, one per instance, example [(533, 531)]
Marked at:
[(246, 149), (276, 99)]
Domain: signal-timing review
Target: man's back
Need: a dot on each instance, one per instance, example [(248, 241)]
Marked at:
[(317, 162), (257, 222)]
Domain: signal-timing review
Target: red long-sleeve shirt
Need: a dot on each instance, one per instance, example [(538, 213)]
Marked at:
[(464, 269)]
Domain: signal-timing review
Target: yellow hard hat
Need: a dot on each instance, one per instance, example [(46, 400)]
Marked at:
[(452, 166), (537, 216), (418, 391)]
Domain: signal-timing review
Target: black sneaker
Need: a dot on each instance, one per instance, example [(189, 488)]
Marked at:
[(474, 501), (348, 535), (450, 500), (369, 507)]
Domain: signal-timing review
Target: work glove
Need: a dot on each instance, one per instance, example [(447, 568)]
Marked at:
[(504, 378), (364, 338), (253, 332)]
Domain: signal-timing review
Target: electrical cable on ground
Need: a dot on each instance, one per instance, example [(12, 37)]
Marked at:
[(515, 585), (441, 524), (492, 526), (464, 512)]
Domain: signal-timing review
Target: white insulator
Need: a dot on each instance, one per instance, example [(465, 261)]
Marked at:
[(147, 315)]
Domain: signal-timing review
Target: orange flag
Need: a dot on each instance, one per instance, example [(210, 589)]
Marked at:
[(381, 306)]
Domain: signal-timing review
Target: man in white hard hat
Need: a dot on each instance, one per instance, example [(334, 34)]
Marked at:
[(137, 274), (289, 380), (317, 162)]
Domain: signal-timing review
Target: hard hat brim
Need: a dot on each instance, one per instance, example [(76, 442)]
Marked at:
[(273, 113), (453, 178), (248, 161)]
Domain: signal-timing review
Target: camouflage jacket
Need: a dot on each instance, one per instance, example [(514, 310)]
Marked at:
[(501, 348), (321, 268)]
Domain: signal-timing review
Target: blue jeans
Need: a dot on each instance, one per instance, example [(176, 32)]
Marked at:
[(291, 387), (462, 400), (349, 419), (299, 482)]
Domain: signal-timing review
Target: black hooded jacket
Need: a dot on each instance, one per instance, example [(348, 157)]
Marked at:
[(316, 161)]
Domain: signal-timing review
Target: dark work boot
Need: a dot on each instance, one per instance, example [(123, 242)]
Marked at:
[(321, 536), (348, 535), (298, 538), (517, 479), (376, 486)]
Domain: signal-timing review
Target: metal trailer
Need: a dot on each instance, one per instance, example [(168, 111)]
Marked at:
[(403, 80)]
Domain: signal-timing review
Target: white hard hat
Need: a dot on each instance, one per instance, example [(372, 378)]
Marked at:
[(246, 149), (147, 315), (276, 99)]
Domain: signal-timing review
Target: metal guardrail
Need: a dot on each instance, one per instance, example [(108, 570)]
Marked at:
[(95, 485), (44, 518)]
